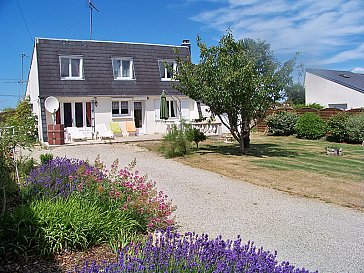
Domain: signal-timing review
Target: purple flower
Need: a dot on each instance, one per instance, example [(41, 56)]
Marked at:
[(167, 251)]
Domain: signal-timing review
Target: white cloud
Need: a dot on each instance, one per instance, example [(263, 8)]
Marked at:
[(330, 31), (359, 70)]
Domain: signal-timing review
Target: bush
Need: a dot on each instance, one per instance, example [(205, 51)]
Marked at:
[(336, 127), (195, 135), (175, 143), (76, 223), (355, 128), (281, 123), (73, 205), (45, 158), (310, 126), (58, 178), (172, 252), (314, 105)]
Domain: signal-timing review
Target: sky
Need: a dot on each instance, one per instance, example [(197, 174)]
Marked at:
[(328, 34)]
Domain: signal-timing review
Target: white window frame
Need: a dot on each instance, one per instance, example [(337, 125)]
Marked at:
[(71, 57), (131, 68), (162, 62), (119, 101)]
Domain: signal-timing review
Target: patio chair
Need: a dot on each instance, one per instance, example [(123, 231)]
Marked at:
[(103, 132), (130, 128), (75, 134), (115, 128)]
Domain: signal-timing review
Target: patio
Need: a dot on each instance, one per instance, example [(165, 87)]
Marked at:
[(117, 139)]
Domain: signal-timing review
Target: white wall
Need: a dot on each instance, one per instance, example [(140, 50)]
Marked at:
[(325, 92), (32, 91)]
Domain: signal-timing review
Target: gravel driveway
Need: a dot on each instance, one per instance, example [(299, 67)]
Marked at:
[(308, 233)]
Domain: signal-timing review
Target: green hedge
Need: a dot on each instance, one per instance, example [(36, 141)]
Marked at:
[(282, 123), (310, 126)]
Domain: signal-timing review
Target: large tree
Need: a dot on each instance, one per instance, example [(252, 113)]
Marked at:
[(238, 80)]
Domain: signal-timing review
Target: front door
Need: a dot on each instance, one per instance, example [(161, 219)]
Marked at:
[(138, 114)]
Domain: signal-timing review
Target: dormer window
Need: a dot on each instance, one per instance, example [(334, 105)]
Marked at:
[(71, 67), (167, 69), (123, 68)]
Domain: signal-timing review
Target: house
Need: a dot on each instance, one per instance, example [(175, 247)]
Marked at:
[(98, 82), (334, 89)]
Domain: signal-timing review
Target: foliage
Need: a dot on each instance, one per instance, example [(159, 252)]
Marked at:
[(195, 135), (314, 105), (17, 128), (355, 128), (58, 178), (175, 143), (24, 123), (25, 166), (238, 80), (172, 252), (336, 127), (50, 226), (295, 93), (281, 123), (310, 126), (69, 204), (45, 158)]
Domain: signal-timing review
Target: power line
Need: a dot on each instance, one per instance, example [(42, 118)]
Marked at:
[(25, 22)]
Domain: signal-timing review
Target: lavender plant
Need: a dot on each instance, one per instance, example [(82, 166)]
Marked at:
[(58, 177), (171, 252)]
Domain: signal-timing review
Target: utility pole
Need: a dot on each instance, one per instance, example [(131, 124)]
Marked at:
[(22, 75)]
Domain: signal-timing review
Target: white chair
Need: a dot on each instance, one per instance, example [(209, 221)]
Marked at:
[(103, 132), (75, 134)]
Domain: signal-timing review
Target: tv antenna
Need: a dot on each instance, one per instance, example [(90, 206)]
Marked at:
[(91, 7)]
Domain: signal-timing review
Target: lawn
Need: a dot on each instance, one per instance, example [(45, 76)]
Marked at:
[(288, 164)]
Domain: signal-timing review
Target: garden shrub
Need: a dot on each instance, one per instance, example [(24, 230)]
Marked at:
[(281, 123), (175, 143), (310, 126), (336, 127), (44, 158), (195, 135), (74, 223), (70, 204), (355, 128), (314, 105), (171, 252)]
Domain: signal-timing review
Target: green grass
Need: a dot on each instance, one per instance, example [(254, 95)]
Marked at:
[(290, 153)]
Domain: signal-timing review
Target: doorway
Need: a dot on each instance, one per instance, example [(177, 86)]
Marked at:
[(138, 114)]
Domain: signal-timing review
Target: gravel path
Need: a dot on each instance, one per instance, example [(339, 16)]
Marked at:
[(308, 233)]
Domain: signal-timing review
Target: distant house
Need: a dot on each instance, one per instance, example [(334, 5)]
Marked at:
[(99, 82), (334, 89)]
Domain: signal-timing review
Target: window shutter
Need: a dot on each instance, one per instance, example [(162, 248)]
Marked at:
[(157, 109), (185, 109)]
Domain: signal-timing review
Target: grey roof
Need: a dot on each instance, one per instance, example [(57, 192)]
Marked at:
[(97, 68), (349, 79)]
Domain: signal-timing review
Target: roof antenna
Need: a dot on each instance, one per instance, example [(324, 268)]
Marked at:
[(91, 7)]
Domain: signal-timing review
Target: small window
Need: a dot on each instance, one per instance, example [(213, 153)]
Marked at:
[(123, 68), (342, 106), (71, 67), (167, 69), (120, 108)]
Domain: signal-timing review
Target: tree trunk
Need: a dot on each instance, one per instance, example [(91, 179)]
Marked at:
[(244, 143)]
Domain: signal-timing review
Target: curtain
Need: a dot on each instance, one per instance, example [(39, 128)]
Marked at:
[(88, 114)]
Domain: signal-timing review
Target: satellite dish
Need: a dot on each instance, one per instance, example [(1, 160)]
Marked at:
[(51, 104)]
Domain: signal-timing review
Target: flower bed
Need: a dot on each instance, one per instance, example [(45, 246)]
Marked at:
[(171, 252)]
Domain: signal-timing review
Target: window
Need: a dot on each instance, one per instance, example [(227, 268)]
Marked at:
[(71, 67), (120, 108), (172, 108), (167, 69), (123, 69), (342, 106)]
